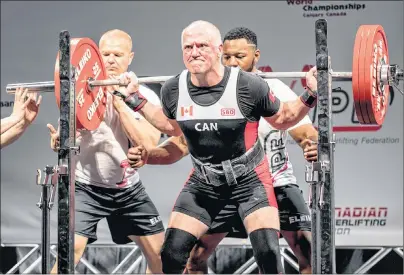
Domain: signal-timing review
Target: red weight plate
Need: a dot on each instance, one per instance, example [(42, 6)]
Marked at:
[(363, 70), (90, 104), (374, 94), (360, 39)]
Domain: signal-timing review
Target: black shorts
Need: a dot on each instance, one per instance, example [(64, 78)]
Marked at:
[(128, 212), (204, 202), (294, 214)]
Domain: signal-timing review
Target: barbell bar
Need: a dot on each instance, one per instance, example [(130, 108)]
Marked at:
[(49, 86), (389, 75)]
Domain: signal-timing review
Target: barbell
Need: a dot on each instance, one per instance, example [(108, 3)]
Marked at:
[(371, 77)]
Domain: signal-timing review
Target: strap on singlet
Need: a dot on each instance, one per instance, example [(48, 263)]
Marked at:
[(229, 170)]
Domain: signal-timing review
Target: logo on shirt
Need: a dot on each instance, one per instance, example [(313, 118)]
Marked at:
[(228, 112), (274, 144), (187, 111)]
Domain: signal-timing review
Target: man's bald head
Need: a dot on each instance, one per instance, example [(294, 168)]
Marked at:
[(118, 35), (116, 50), (201, 26)]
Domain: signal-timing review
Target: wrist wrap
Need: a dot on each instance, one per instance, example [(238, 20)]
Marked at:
[(309, 98), (135, 101)]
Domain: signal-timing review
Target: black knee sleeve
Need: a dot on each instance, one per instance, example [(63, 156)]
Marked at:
[(265, 244), (176, 249)]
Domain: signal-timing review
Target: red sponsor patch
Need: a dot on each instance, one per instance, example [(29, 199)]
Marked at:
[(228, 112)]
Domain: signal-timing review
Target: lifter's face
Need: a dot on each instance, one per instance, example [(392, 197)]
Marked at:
[(199, 52), (116, 54), (240, 53)]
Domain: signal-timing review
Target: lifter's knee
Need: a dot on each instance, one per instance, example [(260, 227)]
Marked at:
[(265, 243), (175, 251)]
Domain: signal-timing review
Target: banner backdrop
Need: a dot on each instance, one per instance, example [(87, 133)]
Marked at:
[(368, 159)]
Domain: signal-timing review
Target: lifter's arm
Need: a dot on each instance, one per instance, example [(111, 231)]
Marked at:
[(138, 103), (155, 115), (288, 115), (291, 112)]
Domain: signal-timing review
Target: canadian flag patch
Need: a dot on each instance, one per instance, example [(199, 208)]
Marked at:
[(187, 111)]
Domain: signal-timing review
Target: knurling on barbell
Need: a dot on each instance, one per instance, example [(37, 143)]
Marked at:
[(371, 77)]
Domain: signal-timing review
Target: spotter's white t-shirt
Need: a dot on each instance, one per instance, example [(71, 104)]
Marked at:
[(102, 158)]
